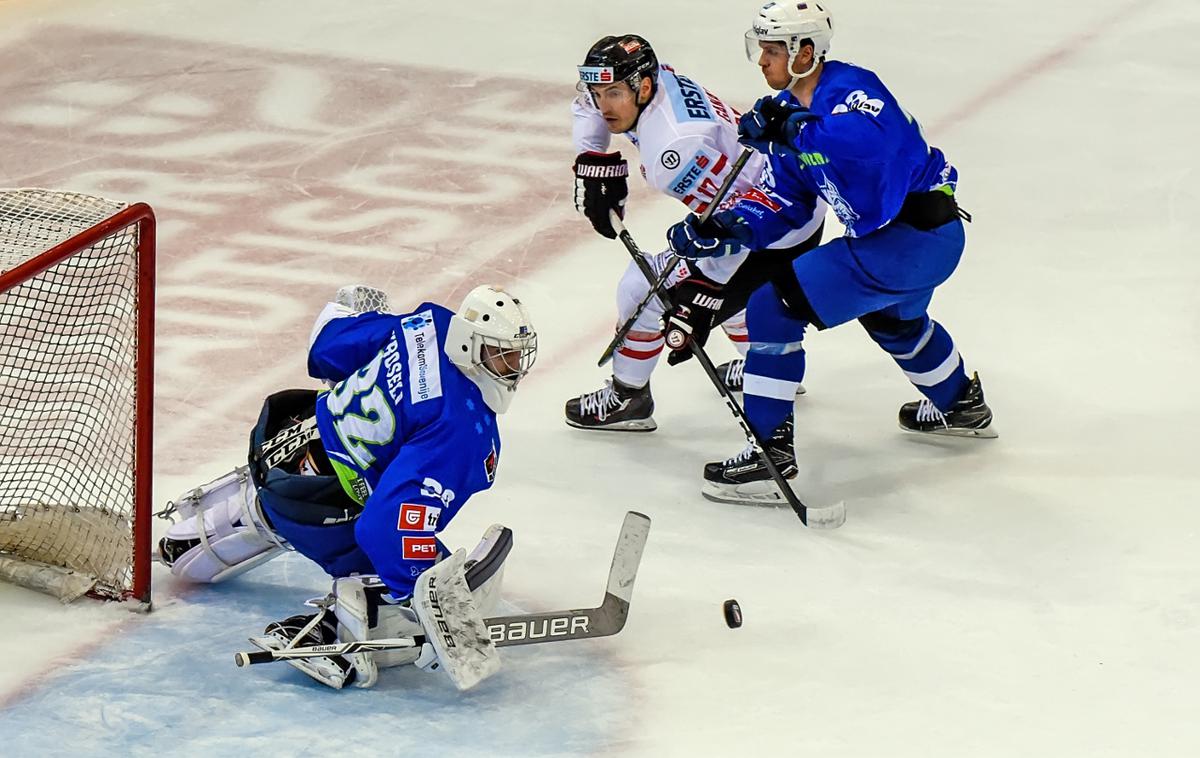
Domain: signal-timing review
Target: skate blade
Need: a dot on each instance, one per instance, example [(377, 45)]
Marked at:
[(755, 494), (986, 433), (640, 425)]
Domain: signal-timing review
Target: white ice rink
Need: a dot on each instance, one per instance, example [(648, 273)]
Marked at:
[(1036, 595)]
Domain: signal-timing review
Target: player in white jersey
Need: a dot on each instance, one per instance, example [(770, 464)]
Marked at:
[(687, 142)]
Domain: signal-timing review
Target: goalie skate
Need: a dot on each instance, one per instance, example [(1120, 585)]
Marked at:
[(303, 630)]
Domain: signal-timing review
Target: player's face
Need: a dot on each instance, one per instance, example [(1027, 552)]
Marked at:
[(618, 104), (773, 60), (505, 364)]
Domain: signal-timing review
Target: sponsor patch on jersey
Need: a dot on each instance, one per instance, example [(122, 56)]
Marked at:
[(489, 464), (424, 364), (683, 182), (860, 101), (418, 548), (756, 195), (688, 100), (415, 517), (670, 159)]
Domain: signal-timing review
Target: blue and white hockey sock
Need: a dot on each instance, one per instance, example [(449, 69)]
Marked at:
[(929, 359), (774, 363)]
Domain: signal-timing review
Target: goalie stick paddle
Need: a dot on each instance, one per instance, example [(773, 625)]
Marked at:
[(734, 171), (523, 629), (829, 517)]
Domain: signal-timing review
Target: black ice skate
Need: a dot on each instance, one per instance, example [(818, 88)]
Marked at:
[(743, 479), (970, 416), (613, 407), (732, 375)]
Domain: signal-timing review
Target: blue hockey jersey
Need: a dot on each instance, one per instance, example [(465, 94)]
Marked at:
[(408, 433), (862, 153)]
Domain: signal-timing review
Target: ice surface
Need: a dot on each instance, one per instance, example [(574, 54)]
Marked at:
[(1035, 595)]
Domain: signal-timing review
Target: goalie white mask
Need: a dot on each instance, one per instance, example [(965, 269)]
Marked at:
[(493, 342)]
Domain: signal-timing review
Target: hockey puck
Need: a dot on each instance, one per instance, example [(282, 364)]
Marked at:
[(733, 614)]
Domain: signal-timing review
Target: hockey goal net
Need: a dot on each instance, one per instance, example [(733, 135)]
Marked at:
[(76, 385)]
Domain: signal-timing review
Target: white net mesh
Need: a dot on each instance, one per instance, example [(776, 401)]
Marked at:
[(68, 380)]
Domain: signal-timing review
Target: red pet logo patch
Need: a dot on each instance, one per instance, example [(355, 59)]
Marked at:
[(419, 548)]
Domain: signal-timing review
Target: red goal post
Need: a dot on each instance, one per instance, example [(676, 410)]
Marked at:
[(76, 393)]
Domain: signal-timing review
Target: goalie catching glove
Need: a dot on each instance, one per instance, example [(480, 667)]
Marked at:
[(601, 185), (695, 301)]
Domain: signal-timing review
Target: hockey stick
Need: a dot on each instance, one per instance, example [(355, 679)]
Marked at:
[(524, 629), (657, 283), (823, 518)]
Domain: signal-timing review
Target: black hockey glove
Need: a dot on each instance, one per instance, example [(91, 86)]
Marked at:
[(600, 186), (694, 302)]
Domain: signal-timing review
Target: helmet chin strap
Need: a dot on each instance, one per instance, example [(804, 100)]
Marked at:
[(797, 77)]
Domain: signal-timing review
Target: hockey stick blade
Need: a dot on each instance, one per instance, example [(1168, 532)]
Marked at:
[(584, 623), (525, 629)]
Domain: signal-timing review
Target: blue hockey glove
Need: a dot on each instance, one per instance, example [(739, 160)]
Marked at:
[(772, 126), (725, 233)]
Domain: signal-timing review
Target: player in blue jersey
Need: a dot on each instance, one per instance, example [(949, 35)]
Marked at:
[(362, 477), (834, 131)]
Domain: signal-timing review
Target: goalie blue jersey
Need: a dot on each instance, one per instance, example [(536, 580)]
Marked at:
[(407, 432), (862, 153)]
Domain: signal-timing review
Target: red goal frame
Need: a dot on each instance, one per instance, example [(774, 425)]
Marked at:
[(143, 432)]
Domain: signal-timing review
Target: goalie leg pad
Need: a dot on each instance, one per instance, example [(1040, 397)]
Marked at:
[(364, 613), (222, 532)]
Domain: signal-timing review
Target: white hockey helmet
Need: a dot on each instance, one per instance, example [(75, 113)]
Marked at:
[(792, 23), (493, 342)]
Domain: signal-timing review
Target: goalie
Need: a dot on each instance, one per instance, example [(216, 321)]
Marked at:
[(361, 478)]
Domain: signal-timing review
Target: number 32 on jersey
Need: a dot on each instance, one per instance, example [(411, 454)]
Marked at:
[(374, 423)]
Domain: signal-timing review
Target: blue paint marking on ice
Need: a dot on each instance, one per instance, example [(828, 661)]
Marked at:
[(168, 684)]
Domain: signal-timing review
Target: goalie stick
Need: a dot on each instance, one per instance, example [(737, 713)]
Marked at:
[(829, 517), (656, 284), (605, 620)]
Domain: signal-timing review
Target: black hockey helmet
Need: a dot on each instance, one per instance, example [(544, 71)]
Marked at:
[(626, 58)]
